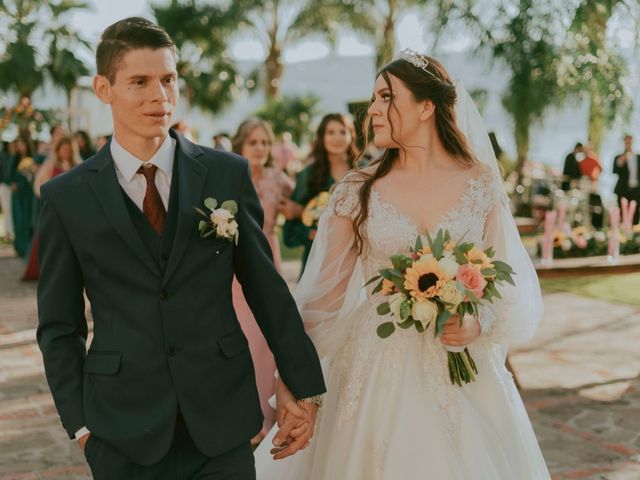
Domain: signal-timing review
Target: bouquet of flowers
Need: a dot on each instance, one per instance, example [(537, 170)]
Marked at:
[(27, 167), (312, 212), (431, 283)]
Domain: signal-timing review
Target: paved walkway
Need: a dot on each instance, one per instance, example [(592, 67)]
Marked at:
[(580, 379)]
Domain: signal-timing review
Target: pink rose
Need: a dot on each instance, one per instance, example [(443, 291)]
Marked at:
[(580, 242), (471, 279)]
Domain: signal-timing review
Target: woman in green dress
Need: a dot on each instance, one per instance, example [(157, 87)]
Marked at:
[(333, 155), (23, 172)]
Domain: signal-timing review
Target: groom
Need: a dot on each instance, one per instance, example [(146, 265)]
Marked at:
[(167, 388)]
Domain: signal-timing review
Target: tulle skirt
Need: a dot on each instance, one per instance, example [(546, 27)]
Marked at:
[(402, 427)]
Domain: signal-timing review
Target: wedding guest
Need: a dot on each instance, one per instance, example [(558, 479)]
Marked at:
[(627, 166), (591, 167), (6, 160), (221, 142), (85, 146), (57, 132), (22, 174), (571, 169), (101, 141), (333, 155), (64, 158), (254, 140)]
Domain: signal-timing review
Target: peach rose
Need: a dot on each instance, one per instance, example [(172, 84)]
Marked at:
[(471, 279)]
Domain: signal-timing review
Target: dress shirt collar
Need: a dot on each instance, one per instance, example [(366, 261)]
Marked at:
[(128, 164)]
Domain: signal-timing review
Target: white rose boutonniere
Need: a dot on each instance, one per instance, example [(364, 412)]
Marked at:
[(221, 222)]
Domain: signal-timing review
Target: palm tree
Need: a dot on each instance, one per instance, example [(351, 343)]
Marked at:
[(201, 33), (281, 23), (19, 71), (521, 35), (590, 66), (32, 22), (378, 22)]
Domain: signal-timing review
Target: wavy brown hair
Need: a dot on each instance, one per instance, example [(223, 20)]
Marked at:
[(436, 85), (321, 170), (245, 129)]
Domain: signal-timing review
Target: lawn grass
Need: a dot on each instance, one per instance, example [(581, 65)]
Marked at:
[(613, 288)]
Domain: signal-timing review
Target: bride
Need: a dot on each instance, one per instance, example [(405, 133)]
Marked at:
[(391, 411)]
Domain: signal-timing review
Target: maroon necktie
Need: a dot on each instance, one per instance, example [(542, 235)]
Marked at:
[(152, 206)]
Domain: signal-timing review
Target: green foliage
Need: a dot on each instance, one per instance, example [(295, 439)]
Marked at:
[(521, 35), (291, 114), (34, 26), (590, 68), (201, 33)]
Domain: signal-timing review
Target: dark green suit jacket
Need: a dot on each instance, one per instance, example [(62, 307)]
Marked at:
[(168, 336)]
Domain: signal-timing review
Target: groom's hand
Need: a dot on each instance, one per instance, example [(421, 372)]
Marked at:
[(297, 435), (82, 441), (295, 421)]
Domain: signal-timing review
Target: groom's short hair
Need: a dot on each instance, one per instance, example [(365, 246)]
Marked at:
[(124, 35)]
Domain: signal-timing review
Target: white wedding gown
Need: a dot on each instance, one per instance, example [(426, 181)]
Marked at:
[(391, 412)]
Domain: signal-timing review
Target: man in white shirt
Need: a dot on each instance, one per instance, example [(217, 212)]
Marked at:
[(627, 166), (167, 388)]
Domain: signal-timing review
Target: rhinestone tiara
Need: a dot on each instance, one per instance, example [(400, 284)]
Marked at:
[(414, 58)]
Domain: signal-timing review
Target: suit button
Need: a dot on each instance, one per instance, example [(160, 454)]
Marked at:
[(164, 295), (165, 257), (171, 351)]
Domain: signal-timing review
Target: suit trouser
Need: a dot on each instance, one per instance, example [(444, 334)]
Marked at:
[(632, 194), (5, 206), (183, 462)]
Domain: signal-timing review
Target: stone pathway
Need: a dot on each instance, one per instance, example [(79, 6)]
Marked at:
[(580, 379)]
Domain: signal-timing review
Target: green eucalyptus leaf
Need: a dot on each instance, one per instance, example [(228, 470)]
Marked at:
[(383, 308), (377, 277), (442, 319), (201, 212), (401, 262), (405, 309), (211, 203), (385, 329), (230, 205), (407, 323)]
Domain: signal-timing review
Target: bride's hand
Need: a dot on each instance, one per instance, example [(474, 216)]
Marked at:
[(456, 335), (299, 437)]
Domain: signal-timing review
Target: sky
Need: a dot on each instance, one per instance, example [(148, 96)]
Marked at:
[(411, 33)]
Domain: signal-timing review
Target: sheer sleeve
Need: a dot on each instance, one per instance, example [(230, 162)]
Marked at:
[(331, 288), (514, 318)]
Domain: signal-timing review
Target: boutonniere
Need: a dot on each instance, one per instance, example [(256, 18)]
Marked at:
[(221, 222)]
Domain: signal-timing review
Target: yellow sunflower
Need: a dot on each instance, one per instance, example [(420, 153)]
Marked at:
[(424, 279), (478, 259)]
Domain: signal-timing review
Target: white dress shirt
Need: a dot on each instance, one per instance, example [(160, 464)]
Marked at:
[(135, 185), (632, 161)]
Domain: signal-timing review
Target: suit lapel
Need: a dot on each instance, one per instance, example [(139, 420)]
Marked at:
[(107, 190), (191, 177)]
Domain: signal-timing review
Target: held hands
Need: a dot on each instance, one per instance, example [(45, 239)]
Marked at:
[(456, 335), (296, 421)]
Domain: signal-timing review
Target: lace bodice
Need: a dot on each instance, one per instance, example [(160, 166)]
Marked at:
[(389, 232)]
